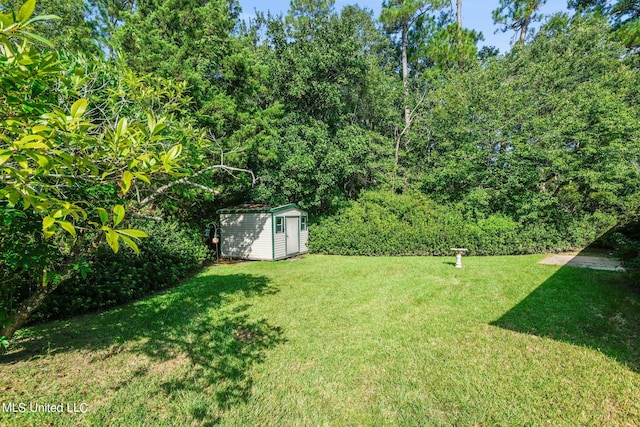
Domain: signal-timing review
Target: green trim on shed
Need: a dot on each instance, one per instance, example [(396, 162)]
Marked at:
[(273, 238), (259, 210)]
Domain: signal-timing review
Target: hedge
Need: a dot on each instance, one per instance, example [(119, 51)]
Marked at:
[(170, 254), (385, 223)]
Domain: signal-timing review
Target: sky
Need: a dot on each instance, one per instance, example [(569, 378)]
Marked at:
[(476, 14)]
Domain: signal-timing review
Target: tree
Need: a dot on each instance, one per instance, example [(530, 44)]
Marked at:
[(620, 11), (73, 32), (329, 75), (198, 42), (403, 16), (448, 45), (328, 67), (624, 16), (400, 16), (452, 48), (108, 16), (309, 12), (547, 134), (79, 173), (186, 40), (588, 5), (517, 15)]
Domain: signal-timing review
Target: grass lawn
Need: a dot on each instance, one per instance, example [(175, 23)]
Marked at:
[(346, 341)]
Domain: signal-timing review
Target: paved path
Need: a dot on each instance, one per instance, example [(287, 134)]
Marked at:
[(594, 262)]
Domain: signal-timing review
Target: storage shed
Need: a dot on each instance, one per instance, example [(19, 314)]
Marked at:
[(260, 232)]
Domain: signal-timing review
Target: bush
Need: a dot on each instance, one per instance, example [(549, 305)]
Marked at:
[(169, 254), (385, 223), (627, 249)]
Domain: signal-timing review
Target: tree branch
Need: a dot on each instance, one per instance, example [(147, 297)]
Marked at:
[(203, 187), (410, 118), (186, 179)]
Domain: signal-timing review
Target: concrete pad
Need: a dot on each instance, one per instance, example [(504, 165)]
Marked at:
[(594, 262)]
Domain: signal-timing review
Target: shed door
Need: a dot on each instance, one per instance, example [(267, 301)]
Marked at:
[(293, 235)]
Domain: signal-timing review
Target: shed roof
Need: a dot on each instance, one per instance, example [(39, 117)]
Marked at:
[(258, 208)]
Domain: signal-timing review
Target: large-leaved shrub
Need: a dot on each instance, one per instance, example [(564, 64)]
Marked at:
[(171, 253)]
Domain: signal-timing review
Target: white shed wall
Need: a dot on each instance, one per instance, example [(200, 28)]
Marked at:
[(246, 236)]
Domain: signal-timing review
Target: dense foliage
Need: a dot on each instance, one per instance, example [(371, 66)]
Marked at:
[(85, 146), (170, 254), (385, 223), (550, 131), (535, 151)]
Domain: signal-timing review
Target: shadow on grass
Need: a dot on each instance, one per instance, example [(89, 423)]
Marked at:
[(595, 309), (205, 320)]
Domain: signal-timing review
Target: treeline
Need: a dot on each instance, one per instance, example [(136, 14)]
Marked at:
[(168, 110)]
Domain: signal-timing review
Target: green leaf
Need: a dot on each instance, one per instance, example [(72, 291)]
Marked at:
[(158, 126), (14, 197), (126, 181), (35, 146), (31, 142), (173, 152), (4, 156), (151, 123), (104, 215), (69, 228), (26, 10), (47, 225), (79, 107), (142, 177), (23, 162), (36, 37), (84, 269), (130, 243), (6, 20), (60, 213), (133, 233), (118, 214), (43, 18), (40, 128), (44, 162), (121, 128), (47, 222), (29, 138), (112, 240)]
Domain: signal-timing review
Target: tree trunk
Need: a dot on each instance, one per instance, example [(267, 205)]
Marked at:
[(459, 32), (405, 74), (27, 308), (33, 303), (523, 29), (405, 85)]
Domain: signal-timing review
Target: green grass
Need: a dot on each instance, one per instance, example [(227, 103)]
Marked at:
[(347, 341)]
